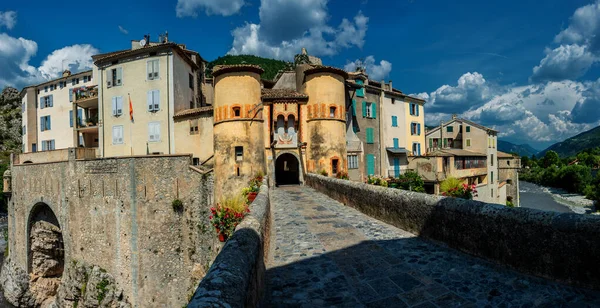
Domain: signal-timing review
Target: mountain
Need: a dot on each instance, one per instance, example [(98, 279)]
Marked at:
[(574, 145), (521, 149), (271, 66), (10, 120)]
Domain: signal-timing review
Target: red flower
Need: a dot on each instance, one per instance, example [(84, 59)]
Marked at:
[(210, 217)]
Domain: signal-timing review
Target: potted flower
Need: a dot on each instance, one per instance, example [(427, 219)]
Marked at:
[(227, 214), (452, 187)]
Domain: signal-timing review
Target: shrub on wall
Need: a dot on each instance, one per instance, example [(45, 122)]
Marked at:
[(452, 187), (377, 181), (228, 213), (323, 172), (410, 181), (177, 205)]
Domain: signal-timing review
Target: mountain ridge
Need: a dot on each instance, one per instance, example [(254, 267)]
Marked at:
[(572, 146), (521, 149)]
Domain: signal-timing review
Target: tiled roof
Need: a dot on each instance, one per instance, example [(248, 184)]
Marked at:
[(504, 155), (191, 112), (454, 152), (274, 94), (222, 69), (122, 53), (329, 69)]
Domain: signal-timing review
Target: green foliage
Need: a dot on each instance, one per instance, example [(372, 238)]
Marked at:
[(450, 184), (576, 144), (410, 181), (377, 181), (510, 204), (101, 289), (323, 172), (177, 205), (452, 187), (270, 66), (343, 175), (551, 158), (228, 213)]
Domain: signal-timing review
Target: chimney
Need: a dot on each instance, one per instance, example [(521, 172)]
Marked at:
[(454, 116), (391, 87)]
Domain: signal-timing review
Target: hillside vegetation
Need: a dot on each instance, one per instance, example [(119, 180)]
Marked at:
[(521, 149), (10, 129), (576, 144), (271, 66)]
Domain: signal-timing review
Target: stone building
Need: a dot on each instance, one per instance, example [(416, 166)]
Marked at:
[(464, 150), (508, 171)]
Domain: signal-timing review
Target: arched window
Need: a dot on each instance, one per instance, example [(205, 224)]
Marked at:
[(280, 125), (236, 112), (291, 125), (332, 112)]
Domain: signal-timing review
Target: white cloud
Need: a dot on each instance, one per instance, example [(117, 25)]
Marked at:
[(16, 53), (375, 71), (211, 7), (564, 62), (472, 90), (283, 32), (8, 19), (123, 30), (579, 47)]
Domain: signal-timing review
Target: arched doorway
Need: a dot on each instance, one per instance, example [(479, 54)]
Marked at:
[(45, 243), (287, 169)]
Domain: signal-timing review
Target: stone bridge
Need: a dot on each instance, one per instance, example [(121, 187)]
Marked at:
[(321, 252)]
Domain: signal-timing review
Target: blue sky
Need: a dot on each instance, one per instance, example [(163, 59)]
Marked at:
[(527, 68)]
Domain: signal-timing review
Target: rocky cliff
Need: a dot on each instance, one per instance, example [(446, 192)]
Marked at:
[(10, 120)]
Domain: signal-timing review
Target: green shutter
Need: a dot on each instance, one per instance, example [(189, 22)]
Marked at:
[(370, 164), (445, 142), (354, 107), (369, 135), (468, 129), (364, 109), (430, 143), (374, 111)]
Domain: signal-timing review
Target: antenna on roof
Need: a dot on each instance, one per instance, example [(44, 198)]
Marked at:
[(164, 38)]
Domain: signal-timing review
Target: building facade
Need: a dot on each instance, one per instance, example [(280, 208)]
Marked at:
[(508, 170)]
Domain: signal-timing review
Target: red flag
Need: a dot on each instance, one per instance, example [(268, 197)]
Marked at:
[(130, 109)]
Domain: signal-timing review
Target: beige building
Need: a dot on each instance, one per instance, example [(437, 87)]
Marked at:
[(48, 114), (464, 150)]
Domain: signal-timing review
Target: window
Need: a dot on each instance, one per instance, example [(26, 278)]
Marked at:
[(46, 101), (369, 132), (152, 69), (394, 121), (332, 112), (360, 92), (154, 100), (24, 130), (492, 192), (117, 106), (369, 110), (465, 162), (468, 142), (334, 166), (370, 164), (45, 123), (191, 78), (153, 131), (415, 129), (416, 149), (353, 161), (492, 177), (81, 143), (34, 147), (396, 143), (192, 105), (414, 109), (508, 162), (114, 77), (393, 100), (468, 129), (236, 112), (74, 81), (194, 127), (195, 161), (47, 145), (450, 129), (85, 79), (46, 89), (492, 160), (239, 153), (117, 134)]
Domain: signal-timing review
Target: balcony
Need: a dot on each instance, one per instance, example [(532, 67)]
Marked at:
[(393, 173), (86, 97)]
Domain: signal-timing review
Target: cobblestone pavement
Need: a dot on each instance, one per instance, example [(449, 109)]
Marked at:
[(327, 254)]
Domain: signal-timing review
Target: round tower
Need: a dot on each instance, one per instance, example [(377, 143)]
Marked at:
[(326, 119), (238, 127)]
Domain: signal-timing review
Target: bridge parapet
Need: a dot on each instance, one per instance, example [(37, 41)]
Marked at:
[(559, 246)]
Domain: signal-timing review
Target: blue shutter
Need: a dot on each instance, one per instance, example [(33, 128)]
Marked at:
[(42, 123), (417, 107), (354, 107), (374, 111), (48, 123), (80, 117), (394, 121), (70, 95), (419, 129), (51, 99), (419, 148), (41, 103), (370, 164), (364, 109), (396, 143), (43, 145), (396, 167), (70, 118)]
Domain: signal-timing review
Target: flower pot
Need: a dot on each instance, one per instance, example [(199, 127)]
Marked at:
[(222, 237), (251, 196)]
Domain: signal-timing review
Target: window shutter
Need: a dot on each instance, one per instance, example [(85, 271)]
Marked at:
[(114, 106), (51, 100), (156, 131), (52, 144), (48, 123), (419, 129), (71, 95), (155, 69), (120, 105), (369, 135), (354, 107), (80, 117), (374, 110), (119, 76), (41, 103), (394, 121), (42, 124), (364, 109), (430, 143), (419, 147), (71, 118), (109, 78), (370, 164), (396, 143), (417, 108), (120, 134), (156, 99), (149, 69), (445, 142), (43, 145), (149, 100)]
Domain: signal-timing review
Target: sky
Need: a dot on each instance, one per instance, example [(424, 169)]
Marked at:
[(528, 69)]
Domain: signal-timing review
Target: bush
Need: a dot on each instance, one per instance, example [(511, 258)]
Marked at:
[(342, 175), (452, 187), (323, 172), (411, 181), (177, 205), (510, 204), (377, 181), (228, 213)]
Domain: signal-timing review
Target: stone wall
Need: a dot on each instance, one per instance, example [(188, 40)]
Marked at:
[(116, 214), (560, 246), (237, 277)]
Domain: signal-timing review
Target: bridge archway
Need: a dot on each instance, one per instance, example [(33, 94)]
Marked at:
[(287, 169), (45, 246)]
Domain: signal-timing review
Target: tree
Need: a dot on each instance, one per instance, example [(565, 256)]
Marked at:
[(411, 181), (525, 162), (551, 158), (574, 178)]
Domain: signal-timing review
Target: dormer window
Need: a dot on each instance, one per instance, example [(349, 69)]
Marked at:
[(236, 112), (332, 112)]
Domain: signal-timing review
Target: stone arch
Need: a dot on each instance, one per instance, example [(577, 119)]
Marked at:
[(45, 244), (288, 169)]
